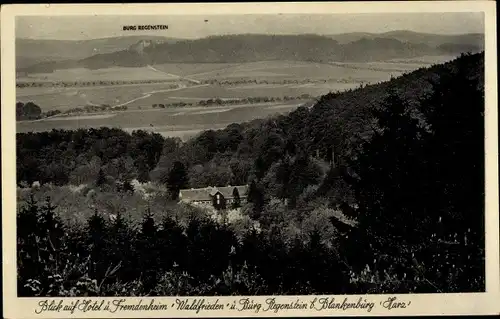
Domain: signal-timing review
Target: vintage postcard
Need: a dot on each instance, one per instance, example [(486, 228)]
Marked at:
[(250, 159)]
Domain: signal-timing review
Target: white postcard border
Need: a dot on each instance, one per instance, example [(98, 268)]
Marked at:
[(420, 304)]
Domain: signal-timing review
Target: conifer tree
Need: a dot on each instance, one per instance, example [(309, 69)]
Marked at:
[(173, 243), (101, 178), (283, 177), (27, 219), (256, 197), (236, 198), (97, 235), (260, 167), (177, 179), (52, 232), (29, 261), (120, 248), (127, 186), (148, 227), (149, 257)]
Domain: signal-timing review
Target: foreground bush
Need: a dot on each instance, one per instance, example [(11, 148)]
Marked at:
[(204, 257), (104, 258)]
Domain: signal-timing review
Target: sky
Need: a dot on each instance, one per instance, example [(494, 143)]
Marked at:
[(195, 26)]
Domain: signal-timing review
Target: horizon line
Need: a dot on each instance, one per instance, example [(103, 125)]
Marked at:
[(259, 33)]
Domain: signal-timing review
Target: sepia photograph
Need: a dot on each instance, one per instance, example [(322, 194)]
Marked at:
[(249, 154)]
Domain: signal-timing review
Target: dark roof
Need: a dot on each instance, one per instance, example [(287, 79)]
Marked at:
[(196, 194)]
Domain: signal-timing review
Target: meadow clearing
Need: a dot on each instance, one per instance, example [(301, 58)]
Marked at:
[(273, 79)]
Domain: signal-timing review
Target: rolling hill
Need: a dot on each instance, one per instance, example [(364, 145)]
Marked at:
[(32, 51), (433, 40), (255, 47), (352, 109)]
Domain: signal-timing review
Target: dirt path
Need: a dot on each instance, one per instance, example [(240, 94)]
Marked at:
[(148, 94), (174, 75)]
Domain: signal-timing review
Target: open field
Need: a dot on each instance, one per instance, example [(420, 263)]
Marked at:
[(110, 74), (272, 69), (190, 69), (144, 96), (139, 98), (205, 92), (378, 67), (292, 70), (181, 122), (68, 98)]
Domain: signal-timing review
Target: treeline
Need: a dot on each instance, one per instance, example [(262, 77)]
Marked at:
[(25, 84), (235, 101), (282, 81), (94, 109), (252, 100), (392, 165), (234, 82)]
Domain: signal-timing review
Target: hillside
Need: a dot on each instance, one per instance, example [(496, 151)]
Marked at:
[(255, 47), (351, 110), (31, 51), (433, 40)]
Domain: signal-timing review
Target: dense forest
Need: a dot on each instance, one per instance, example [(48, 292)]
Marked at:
[(378, 189)]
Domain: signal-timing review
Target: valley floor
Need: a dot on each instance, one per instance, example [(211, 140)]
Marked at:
[(183, 122), (282, 80)]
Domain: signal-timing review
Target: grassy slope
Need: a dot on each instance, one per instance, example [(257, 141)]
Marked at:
[(413, 37)]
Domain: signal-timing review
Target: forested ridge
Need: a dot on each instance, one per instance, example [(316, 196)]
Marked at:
[(404, 159), (30, 51), (240, 48)]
